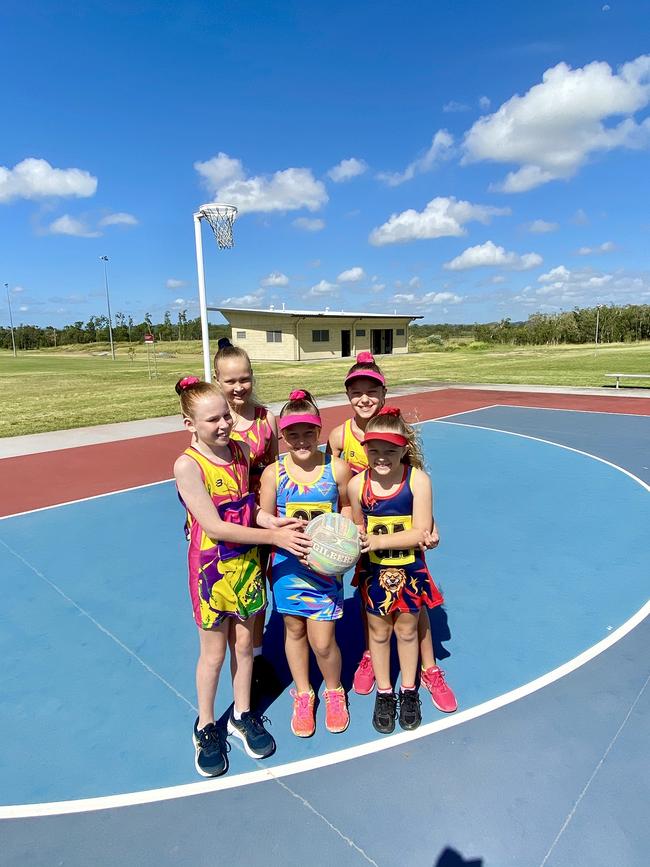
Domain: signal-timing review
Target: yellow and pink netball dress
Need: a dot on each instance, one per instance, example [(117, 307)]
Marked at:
[(225, 578), (353, 452), (259, 437)]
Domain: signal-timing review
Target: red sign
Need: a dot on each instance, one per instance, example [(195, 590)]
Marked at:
[(148, 338)]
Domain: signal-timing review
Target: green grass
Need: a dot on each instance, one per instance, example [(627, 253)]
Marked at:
[(62, 388)]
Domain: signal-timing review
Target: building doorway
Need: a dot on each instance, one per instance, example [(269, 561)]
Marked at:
[(346, 343), (382, 341)]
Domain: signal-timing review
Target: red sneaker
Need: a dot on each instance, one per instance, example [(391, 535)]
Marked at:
[(364, 677), (441, 694), (303, 724), (337, 718)]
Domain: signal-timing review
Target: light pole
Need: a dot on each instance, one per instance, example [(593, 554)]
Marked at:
[(598, 306), (104, 259), (11, 320)]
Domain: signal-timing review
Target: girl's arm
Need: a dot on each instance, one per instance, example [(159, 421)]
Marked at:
[(192, 490), (342, 474), (354, 497), (272, 450), (335, 442), (421, 519)]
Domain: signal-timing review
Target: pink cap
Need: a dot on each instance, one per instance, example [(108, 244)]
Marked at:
[(299, 418)]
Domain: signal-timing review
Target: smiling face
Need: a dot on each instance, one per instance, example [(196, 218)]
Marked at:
[(302, 439), (211, 420), (384, 458), (235, 379), (367, 396)]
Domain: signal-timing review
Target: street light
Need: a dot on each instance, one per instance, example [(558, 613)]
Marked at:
[(11, 320), (104, 259)]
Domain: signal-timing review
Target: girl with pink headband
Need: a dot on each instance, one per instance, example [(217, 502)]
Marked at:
[(304, 483)]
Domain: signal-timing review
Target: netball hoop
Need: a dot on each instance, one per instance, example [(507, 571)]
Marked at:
[(220, 217)]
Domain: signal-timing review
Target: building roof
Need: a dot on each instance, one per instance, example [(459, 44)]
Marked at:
[(346, 314)]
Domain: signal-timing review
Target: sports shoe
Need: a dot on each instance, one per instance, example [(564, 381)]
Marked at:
[(337, 718), (383, 718), (264, 681), (250, 730), (410, 712), (303, 724), (441, 694), (211, 759), (364, 677)]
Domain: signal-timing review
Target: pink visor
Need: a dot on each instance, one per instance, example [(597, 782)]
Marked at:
[(395, 439), (299, 418), (369, 374)]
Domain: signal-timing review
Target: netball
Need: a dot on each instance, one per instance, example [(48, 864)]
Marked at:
[(336, 546)]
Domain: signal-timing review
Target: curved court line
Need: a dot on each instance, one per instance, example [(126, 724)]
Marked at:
[(169, 793), (84, 805)]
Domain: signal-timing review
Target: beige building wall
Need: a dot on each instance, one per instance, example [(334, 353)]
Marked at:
[(294, 336)]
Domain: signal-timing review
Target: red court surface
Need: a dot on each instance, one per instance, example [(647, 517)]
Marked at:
[(85, 471)]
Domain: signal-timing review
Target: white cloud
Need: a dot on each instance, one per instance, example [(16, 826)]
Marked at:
[(287, 190), (173, 283), (309, 224), (429, 299), (352, 275), (489, 255), (67, 225), (275, 278), (552, 130), (442, 217), (248, 300), (37, 179), (18, 289), (347, 169), (453, 107), (414, 282), (23, 308), (400, 297), (541, 227), (561, 287), (441, 149), (558, 273), (606, 247), (119, 219), (580, 218), (323, 288), (484, 103)]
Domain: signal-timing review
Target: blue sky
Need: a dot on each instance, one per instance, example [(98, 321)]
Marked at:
[(460, 160)]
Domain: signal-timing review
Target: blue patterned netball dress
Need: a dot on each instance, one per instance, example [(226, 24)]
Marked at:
[(296, 589)]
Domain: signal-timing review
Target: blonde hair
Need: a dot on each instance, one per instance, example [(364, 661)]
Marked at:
[(190, 390), (227, 350), (390, 420)]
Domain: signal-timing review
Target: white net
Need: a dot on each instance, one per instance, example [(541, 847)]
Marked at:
[(221, 219)]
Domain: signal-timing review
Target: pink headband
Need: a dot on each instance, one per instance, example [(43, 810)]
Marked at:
[(299, 418), (365, 358), (394, 438)]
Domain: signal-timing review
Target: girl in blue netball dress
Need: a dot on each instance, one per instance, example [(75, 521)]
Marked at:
[(304, 483), (392, 500)]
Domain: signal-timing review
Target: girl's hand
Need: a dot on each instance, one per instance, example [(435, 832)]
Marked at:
[(292, 540), (364, 541), (431, 539), (292, 523)]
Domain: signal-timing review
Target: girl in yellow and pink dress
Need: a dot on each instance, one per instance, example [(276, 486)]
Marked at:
[(224, 527)]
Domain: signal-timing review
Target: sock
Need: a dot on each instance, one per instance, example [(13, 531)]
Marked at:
[(238, 713), (385, 691), (257, 651), (408, 688)]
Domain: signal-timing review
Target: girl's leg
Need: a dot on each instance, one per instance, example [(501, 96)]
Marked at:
[(241, 661), (364, 621), (258, 630), (380, 630), (212, 654), (406, 631), (328, 656), (296, 648), (427, 655)]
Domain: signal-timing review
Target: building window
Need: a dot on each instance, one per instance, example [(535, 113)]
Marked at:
[(399, 332), (360, 332), (274, 337), (320, 335), (241, 335)]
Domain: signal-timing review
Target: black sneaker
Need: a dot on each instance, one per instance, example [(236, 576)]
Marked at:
[(264, 681), (383, 718), (410, 713), (258, 743), (211, 759)]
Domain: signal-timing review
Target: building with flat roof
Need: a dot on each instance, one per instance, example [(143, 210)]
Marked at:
[(301, 335)]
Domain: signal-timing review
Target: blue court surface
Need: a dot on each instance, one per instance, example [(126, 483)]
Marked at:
[(545, 567)]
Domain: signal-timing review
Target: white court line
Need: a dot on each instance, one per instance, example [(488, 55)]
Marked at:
[(554, 409), (85, 805), (105, 802)]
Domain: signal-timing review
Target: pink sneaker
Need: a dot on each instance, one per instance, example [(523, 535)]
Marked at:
[(337, 718), (441, 694), (303, 724), (364, 677)]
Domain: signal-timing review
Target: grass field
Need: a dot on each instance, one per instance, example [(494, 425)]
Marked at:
[(57, 389)]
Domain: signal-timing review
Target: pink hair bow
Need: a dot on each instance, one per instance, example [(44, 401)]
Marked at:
[(298, 394), (187, 381), (365, 358)]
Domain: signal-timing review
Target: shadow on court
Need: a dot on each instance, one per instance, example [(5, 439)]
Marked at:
[(451, 858)]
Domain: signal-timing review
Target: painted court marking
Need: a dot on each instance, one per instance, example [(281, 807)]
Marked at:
[(296, 767)]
